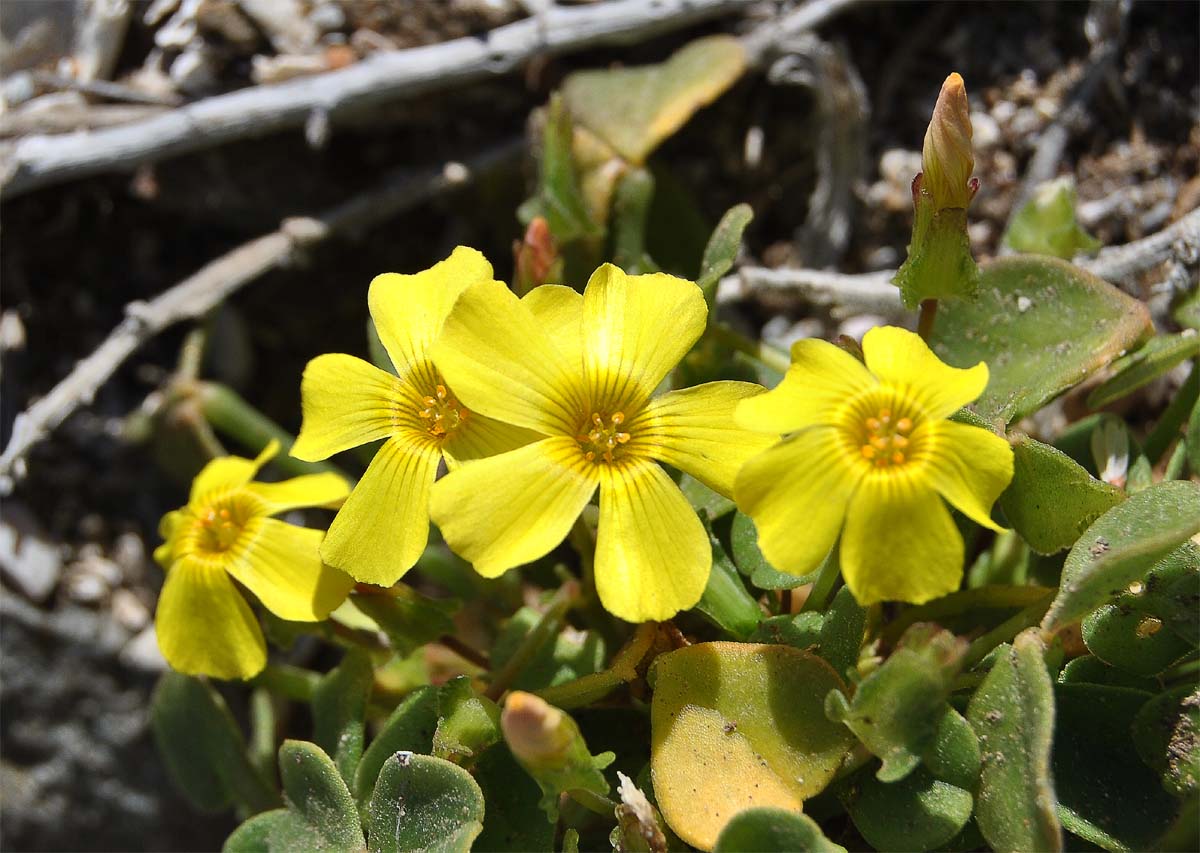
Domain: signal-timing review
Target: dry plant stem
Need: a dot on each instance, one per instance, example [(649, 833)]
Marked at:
[(822, 588), (200, 293), (538, 636), (291, 682), (809, 15), (982, 646), (384, 77), (926, 318), (465, 652), (844, 294), (1180, 240)]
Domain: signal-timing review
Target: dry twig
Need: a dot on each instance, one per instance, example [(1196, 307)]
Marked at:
[(1180, 241)]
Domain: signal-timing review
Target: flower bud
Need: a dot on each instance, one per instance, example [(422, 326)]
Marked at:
[(538, 734), (946, 156)]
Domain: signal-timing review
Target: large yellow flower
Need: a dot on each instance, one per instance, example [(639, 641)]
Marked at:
[(383, 527), (580, 371), (872, 449), (204, 625)]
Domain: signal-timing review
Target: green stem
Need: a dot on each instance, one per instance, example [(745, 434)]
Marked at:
[(191, 354), (766, 354), (926, 318), (984, 597), (595, 686), (262, 732), (982, 646), (822, 588), (583, 540), (538, 636), (292, 682), (593, 802), (1186, 670), (1177, 411)]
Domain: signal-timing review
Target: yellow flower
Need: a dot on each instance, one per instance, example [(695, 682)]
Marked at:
[(204, 625), (871, 452), (580, 372), (383, 527)]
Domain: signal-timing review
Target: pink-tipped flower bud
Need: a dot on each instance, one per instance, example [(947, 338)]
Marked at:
[(539, 734), (946, 155)]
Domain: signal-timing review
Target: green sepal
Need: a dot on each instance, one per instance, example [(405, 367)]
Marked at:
[(939, 263), (467, 722), (409, 618)]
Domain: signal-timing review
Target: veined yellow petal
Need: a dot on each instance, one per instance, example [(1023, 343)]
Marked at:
[(652, 554), (481, 437), (900, 543), (968, 465), (164, 554), (409, 310), (797, 492), (501, 362), (204, 625), (822, 377), (693, 429), (298, 492), (279, 563), (229, 472), (559, 310), (507, 510), (636, 328), (901, 359), (382, 528), (347, 402)]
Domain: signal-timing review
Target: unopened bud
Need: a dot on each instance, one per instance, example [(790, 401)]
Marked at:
[(538, 734), (946, 155)]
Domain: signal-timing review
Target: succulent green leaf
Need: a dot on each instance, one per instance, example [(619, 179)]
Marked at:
[(1089, 669), (739, 711), (1106, 793), (1012, 712), (409, 618), (514, 820), (270, 832), (722, 249), (725, 601), (571, 655), (774, 830), (842, 631), (1144, 365), (339, 706), (743, 540), (1046, 225), (954, 755), (1166, 734), (1052, 498), (467, 722), (1122, 545), (423, 803), (897, 708), (409, 728), (917, 812), (1131, 632), (203, 747), (635, 109), (800, 630), (1042, 325), (316, 793)]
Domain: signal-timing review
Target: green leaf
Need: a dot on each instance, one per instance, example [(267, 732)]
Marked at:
[(203, 747), (1106, 794), (774, 830), (1052, 499), (409, 728), (801, 630), (409, 618), (636, 109), (1192, 439), (1187, 312), (744, 712), (571, 655), (1122, 545), (1131, 633), (705, 500), (1013, 714), (630, 209), (276, 831), (514, 820), (954, 755), (725, 601), (917, 812), (842, 631), (1089, 669), (750, 561), (467, 722), (722, 249), (1166, 734), (339, 707), (1144, 365), (896, 709), (422, 803), (1042, 326), (1046, 225), (316, 793)]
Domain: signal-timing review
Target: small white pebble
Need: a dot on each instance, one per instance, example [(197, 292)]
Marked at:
[(1024, 303)]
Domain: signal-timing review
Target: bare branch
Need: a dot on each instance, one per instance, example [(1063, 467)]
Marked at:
[(1180, 241), (215, 282), (844, 295)]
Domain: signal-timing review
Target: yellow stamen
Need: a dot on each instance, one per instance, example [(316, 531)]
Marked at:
[(443, 412), (884, 442), (602, 441)]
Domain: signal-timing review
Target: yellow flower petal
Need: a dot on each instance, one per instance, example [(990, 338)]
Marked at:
[(652, 554), (822, 377), (204, 625), (968, 465), (693, 429), (409, 310), (636, 328), (901, 359), (348, 402), (900, 543), (164, 554), (507, 510), (382, 528), (279, 563), (481, 437), (298, 492), (229, 472), (501, 362), (797, 493), (559, 310)]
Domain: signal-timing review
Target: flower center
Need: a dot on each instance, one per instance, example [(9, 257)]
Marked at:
[(885, 440), (219, 524), (443, 414), (604, 437)]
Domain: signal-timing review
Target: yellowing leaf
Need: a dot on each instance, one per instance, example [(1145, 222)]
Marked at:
[(739, 725), (636, 109)]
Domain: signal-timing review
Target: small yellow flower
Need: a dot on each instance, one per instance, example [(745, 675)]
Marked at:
[(204, 625), (580, 371), (870, 453), (383, 527)]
